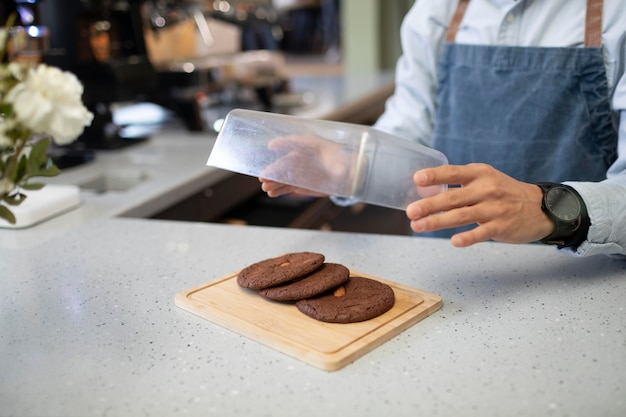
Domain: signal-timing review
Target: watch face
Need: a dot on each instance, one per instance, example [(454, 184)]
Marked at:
[(563, 203)]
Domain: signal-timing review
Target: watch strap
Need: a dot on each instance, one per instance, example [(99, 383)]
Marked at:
[(579, 234)]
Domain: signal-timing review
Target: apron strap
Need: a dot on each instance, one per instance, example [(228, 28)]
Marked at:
[(456, 20), (593, 22)]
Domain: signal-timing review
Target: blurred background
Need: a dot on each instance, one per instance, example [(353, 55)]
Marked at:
[(146, 63), (182, 52)]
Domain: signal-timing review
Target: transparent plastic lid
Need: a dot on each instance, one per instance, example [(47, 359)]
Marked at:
[(345, 160)]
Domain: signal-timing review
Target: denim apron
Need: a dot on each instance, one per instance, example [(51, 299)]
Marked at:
[(534, 113)]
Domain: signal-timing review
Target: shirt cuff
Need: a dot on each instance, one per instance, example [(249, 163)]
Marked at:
[(606, 206)]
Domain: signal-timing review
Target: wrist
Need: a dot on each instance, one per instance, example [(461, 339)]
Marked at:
[(545, 226)]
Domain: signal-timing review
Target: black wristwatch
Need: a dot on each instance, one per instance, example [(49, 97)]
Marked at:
[(566, 208)]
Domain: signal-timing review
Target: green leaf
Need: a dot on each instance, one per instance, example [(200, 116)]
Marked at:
[(39, 151), (38, 158), (17, 173), (15, 199), (33, 186), (32, 167), (50, 171), (6, 109), (7, 215)]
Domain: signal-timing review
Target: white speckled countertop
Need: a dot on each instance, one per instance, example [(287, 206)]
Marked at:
[(88, 327)]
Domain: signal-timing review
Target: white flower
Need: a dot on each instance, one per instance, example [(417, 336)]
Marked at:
[(17, 70), (49, 102)]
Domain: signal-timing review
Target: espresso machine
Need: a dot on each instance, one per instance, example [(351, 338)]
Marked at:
[(101, 41), (110, 45)]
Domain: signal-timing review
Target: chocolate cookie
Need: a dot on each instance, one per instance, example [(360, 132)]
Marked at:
[(279, 270), (328, 276), (358, 299)]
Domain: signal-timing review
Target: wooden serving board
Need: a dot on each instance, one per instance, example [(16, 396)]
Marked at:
[(279, 325)]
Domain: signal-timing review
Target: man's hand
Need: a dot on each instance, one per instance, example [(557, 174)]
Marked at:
[(276, 189), (315, 161), (504, 209)]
